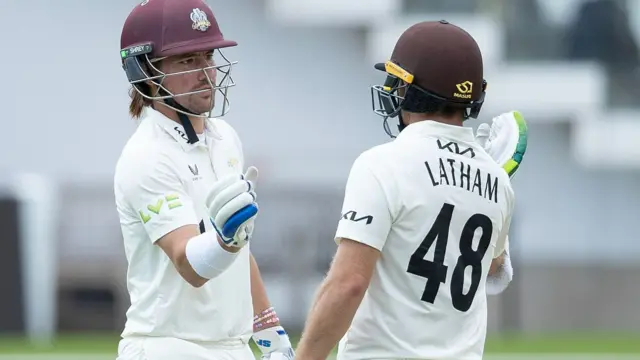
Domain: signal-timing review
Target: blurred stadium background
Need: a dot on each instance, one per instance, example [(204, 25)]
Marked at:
[(302, 108)]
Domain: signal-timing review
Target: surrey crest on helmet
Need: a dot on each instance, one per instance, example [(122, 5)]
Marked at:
[(200, 21)]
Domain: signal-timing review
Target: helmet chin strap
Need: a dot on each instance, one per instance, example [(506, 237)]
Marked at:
[(184, 119)]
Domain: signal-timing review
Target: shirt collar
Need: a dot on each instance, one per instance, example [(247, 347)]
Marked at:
[(433, 128), (177, 132)]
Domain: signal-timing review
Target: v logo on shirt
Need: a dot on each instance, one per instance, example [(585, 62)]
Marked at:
[(194, 169), (156, 208)]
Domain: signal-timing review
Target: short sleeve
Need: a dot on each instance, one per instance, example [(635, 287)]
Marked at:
[(156, 194), (366, 217)]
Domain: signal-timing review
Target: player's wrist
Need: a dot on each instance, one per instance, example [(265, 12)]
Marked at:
[(500, 280), (207, 258), (265, 319), (268, 334), (225, 247)]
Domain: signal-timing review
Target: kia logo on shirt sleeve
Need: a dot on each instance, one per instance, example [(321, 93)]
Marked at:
[(353, 216)]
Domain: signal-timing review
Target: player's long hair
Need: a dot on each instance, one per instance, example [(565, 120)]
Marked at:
[(138, 103)]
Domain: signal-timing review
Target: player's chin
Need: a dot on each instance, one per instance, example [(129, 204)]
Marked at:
[(202, 105)]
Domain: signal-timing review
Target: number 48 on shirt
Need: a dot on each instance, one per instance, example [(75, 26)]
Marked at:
[(436, 271)]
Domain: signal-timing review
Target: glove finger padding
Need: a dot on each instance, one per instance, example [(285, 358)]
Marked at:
[(234, 214), (227, 194), (251, 174), (219, 186), (505, 140)]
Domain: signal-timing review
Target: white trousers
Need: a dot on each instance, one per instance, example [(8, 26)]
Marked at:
[(163, 348)]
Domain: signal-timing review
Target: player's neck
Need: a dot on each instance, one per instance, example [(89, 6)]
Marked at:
[(196, 122), (410, 118)]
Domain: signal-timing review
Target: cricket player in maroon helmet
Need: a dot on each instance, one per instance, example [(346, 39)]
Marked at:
[(186, 199)]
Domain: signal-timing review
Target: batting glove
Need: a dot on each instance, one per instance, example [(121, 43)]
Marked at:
[(233, 208), (274, 344), (498, 282), (505, 140)]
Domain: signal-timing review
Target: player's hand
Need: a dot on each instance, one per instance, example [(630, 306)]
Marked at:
[(505, 140), (500, 280), (274, 344), (233, 208)]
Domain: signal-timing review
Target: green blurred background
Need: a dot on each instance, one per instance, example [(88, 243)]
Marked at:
[(554, 344)]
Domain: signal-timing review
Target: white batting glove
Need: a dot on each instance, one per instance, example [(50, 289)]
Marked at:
[(505, 140), (498, 282), (274, 344), (233, 208)]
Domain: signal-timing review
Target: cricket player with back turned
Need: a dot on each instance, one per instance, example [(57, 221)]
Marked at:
[(425, 218)]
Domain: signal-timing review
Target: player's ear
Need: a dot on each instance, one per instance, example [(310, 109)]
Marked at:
[(139, 71)]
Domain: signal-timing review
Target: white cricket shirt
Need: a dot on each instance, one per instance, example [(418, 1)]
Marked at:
[(161, 183), (438, 208)]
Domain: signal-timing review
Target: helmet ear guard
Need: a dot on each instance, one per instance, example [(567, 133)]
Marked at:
[(137, 73), (474, 110), (133, 68)]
